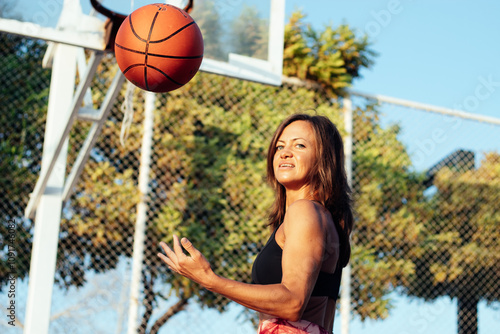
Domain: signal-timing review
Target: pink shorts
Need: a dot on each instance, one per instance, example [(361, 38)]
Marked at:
[(281, 326)]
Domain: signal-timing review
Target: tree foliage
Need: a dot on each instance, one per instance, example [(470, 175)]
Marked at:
[(460, 249), (23, 100), (388, 201), (332, 57)]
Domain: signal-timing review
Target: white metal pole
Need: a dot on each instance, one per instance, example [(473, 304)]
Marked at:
[(48, 214), (428, 107), (276, 37), (142, 209), (345, 292)]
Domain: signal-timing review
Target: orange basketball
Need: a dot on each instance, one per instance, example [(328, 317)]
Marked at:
[(159, 47)]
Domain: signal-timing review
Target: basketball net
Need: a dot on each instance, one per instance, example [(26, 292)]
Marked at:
[(128, 112)]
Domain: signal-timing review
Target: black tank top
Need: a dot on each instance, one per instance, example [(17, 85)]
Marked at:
[(267, 270)]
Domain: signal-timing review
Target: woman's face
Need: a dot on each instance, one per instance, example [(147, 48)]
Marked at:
[(295, 155)]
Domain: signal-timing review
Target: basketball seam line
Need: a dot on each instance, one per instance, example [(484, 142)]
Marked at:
[(165, 74), (155, 68), (157, 55), (146, 81), (174, 33), (133, 30), (161, 40)]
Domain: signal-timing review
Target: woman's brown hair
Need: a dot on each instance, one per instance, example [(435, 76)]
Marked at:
[(328, 178)]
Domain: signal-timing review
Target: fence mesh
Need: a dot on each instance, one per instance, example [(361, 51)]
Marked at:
[(426, 189)]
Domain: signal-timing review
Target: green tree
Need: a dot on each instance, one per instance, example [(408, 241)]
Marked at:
[(332, 57), (98, 231), (388, 199), (23, 100), (460, 253)]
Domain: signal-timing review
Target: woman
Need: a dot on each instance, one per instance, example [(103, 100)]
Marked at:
[(296, 276)]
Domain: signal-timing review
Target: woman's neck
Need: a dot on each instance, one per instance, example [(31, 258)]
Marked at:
[(295, 195)]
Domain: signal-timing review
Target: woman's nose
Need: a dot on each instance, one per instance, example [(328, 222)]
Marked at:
[(285, 153)]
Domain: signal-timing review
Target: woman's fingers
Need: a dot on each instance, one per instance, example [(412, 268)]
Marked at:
[(192, 265), (168, 251), (174, 258), (177, 248), (188, 246), (170, 258), (165, 259)]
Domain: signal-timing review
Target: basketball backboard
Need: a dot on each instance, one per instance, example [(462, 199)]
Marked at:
[(243, 38)]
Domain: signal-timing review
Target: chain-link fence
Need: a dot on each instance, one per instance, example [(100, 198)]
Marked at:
[(426, 191)]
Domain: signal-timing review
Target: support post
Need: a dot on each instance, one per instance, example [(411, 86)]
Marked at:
[(48, 215), (142, 210), (345, 292)]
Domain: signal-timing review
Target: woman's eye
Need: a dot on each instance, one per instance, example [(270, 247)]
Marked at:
[(279, 147), (300, 146)]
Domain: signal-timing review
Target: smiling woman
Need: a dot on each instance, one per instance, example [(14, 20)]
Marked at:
[(296, 276)]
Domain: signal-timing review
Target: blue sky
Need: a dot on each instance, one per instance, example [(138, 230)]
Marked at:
[(436, 52), (429, 51)]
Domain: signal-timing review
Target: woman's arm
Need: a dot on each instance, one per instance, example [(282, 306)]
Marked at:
[(304, 231)]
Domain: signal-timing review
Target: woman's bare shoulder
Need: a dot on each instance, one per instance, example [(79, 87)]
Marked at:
[(306, 214), (305, 206)]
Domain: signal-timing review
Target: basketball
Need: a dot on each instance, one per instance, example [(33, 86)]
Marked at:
[(159, 47)]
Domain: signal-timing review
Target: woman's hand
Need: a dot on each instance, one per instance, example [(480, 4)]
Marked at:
[(195, 266)]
